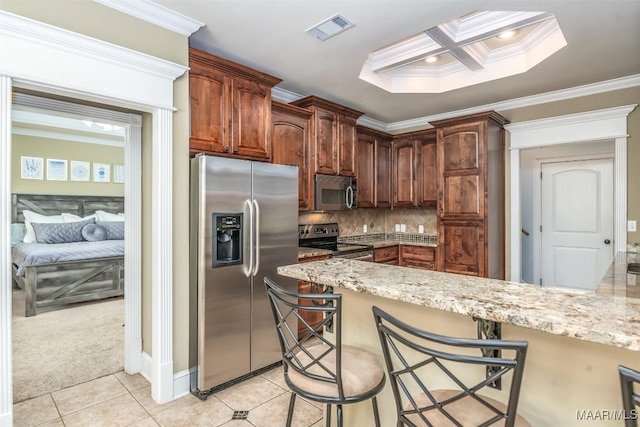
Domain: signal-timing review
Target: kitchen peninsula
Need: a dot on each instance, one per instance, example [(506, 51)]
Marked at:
[(576, 339)]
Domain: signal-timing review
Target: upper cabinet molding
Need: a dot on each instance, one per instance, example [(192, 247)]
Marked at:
[(156, 14), (55, 52)]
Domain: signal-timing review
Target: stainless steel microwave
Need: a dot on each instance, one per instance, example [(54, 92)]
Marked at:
[(334, 193)]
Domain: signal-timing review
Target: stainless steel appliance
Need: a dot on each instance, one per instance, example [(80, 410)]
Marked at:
[(335, 193), (243, 226), (325, 236)]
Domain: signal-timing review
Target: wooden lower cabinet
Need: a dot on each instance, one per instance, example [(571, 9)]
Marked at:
[(462, 248), (313, 318), (386, 255), (422, 257)]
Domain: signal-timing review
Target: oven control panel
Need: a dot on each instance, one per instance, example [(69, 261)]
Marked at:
[(313, 231)]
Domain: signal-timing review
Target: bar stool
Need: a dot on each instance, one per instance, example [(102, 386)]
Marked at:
[(630, 398), (412, 356), (314, 368)]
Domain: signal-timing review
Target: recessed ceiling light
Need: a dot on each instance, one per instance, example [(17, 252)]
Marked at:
[(507, 34), (432, 59)]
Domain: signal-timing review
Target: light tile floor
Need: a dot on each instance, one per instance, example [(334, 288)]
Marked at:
[(125, 400)]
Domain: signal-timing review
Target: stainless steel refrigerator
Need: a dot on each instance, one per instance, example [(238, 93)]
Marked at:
[(244, 224)]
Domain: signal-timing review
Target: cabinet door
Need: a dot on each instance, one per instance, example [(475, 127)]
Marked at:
[(383, 174), (326, 143), (404, 173), (290, 136), (346, 148), (366, 171), (311, 317), (388, 254), (210, 106), (427, 177), (461, 152), (251, 120), (461, 247)]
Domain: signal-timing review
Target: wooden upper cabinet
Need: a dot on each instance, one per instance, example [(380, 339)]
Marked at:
[(427, 170), (210, 111), (230, 107), (347, 146), (462, 152), (373, 167), (251, 119), (404, 172), (333, 136), (366, 176), (290, 133), (383, 172), (326, 142)]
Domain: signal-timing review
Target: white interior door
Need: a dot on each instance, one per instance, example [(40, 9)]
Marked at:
[(577, 222)]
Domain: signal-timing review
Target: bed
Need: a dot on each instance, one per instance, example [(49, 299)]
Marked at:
[(57, 274)]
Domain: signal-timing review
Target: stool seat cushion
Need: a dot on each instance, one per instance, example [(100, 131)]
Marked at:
[(361, 372), (467, 411)]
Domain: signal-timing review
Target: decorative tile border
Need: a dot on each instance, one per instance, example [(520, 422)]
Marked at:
[(399, 237)]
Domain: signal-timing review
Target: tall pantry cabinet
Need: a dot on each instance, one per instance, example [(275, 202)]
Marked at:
[(470, 157)]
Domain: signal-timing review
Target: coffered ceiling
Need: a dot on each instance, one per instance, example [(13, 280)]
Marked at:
[(593, 42)]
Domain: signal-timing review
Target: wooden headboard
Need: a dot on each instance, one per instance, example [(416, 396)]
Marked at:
[(52, 204)]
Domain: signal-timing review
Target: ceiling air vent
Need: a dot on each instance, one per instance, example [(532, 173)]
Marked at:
[(330, 27)]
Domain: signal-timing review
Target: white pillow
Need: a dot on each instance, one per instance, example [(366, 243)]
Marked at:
[(108, 216), (69, 217), (29, 217)]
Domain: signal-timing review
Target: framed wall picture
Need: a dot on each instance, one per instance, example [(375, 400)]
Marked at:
[(101, 172), (118, 174), (80, 170), (56, 170), (31, 167)]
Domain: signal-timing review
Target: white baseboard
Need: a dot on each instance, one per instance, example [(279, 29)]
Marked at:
[(181, 380)]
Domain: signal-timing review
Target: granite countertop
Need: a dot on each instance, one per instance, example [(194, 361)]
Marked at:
[(617, 281), (605, 319), (311, 252)]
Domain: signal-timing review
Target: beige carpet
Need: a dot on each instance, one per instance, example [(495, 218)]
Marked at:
[(61, 347)]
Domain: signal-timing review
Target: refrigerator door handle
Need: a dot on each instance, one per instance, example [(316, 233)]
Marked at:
[(256, 246), (248, 270)]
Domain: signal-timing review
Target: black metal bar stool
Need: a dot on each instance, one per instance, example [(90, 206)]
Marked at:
[(314, 368), (412, 357), (630, 397)]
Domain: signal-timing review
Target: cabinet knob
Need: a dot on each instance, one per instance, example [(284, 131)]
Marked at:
[(226, 149), (235, 150)]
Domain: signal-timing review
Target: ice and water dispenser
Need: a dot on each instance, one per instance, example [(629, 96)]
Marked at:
[(227, 241)]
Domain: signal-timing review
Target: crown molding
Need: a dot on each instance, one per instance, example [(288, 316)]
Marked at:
[(372, 123), (284, 95), (155, 14)]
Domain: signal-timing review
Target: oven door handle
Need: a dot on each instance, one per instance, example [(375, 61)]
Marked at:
[(349, 197)]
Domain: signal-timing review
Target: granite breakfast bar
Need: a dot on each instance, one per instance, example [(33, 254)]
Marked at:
[(576, 339)]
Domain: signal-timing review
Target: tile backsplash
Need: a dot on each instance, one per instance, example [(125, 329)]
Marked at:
[(377, 220)]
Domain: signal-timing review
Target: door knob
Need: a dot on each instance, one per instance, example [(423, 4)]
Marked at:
[(607, 241)]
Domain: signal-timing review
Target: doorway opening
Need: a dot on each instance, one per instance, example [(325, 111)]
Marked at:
[(608, 126), (80, 152)]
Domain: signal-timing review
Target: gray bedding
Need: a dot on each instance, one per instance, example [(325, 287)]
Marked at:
[(25, 254)]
